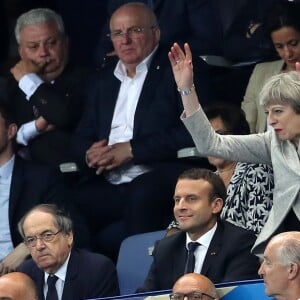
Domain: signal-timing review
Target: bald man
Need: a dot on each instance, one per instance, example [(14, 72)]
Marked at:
[(280, 268), (17, 286), (193, 284)]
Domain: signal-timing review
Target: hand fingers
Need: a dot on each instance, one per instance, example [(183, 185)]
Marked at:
[(99, 170), (188, 52), (298, 67)]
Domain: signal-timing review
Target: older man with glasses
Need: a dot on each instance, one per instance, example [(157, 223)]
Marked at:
[(193, 286), (59, 271)]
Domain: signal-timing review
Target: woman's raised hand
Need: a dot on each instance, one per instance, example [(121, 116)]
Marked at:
[(181, 62)]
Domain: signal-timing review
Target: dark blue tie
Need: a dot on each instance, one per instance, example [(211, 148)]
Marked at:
[(52, 292), (190, 263)]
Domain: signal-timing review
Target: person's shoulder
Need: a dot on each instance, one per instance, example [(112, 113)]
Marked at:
[(28, 267), (91, 258), (269, 66), (174, 239), (35, 167), (255, 169), (235, 232)]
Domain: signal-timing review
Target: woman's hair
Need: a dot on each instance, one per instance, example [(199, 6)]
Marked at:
[(283, 89), (232, 116), (283, 14), (38, 16)]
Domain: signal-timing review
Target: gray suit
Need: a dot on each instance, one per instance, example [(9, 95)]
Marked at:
[(256, 148)]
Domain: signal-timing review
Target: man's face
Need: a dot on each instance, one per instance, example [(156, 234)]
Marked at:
[(49, 256), (132, 49), (46, 47), (193, 209), (275, 274), (7, 133)]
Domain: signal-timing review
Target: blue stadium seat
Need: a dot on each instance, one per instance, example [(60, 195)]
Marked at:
[(134, 260)]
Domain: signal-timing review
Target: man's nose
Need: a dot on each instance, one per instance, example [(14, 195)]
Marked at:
[(43, 50)]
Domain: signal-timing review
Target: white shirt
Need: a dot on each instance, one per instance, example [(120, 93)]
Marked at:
[(6, 245), (123, 118), (28, 84), (59, 284), (201, 250)]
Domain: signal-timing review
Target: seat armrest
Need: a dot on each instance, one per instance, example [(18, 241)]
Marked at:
[(190, 152), (69, 167)]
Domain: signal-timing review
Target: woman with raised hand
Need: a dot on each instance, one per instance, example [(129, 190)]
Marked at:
[(278, 147)]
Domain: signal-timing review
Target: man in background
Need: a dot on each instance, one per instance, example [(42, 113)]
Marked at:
[(280, 268), (46, 92), (194, 286), (56, 267), (206, 244), (17, 286)]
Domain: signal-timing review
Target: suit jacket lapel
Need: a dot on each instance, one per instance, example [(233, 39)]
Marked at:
[(15, 188), (70, 287), (179, 257), (152, 81), (213, 249), (109, 96)]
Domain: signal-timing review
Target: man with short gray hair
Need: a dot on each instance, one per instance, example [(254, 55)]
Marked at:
[(280, 268), (46, 93)]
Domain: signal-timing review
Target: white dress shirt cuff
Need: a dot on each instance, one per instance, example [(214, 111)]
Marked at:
[(27, 132), (29, 84)]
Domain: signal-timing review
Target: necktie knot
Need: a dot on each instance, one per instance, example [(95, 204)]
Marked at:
[(51, 280), (192, 246)]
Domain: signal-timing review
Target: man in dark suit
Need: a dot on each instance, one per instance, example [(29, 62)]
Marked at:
[(222, 252), (22, 185), (47, 93), (77, 274), (131, 132)]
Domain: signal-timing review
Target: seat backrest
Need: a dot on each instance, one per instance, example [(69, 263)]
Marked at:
[(135, 259)]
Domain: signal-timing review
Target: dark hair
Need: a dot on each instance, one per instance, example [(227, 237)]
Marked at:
[(61, 219), (6, 113), (283, 14), (218, 189), (232, 116)]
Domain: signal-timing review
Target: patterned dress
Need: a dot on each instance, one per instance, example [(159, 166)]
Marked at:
[(249, 196)]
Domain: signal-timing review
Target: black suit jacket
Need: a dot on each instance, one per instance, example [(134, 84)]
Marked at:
[(89, 275), (228, 258), (31, 184), (61, 104), (158, 131)]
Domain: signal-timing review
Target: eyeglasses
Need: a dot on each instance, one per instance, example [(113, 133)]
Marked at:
[(190, 296), (132, 32), (31, 241)]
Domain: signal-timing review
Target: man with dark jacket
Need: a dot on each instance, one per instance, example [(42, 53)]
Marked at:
[(206, 245)]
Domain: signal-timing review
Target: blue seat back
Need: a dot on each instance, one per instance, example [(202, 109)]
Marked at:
[(135, 259)]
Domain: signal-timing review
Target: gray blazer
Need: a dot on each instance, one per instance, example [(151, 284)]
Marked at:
[(256, 148), (255, 113)]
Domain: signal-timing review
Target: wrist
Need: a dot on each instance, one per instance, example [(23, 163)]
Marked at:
[(185, 91)]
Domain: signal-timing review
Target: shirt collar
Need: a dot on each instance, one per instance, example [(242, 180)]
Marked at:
[(7, 168), (61, 272), (205, 239), (120, 69)]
